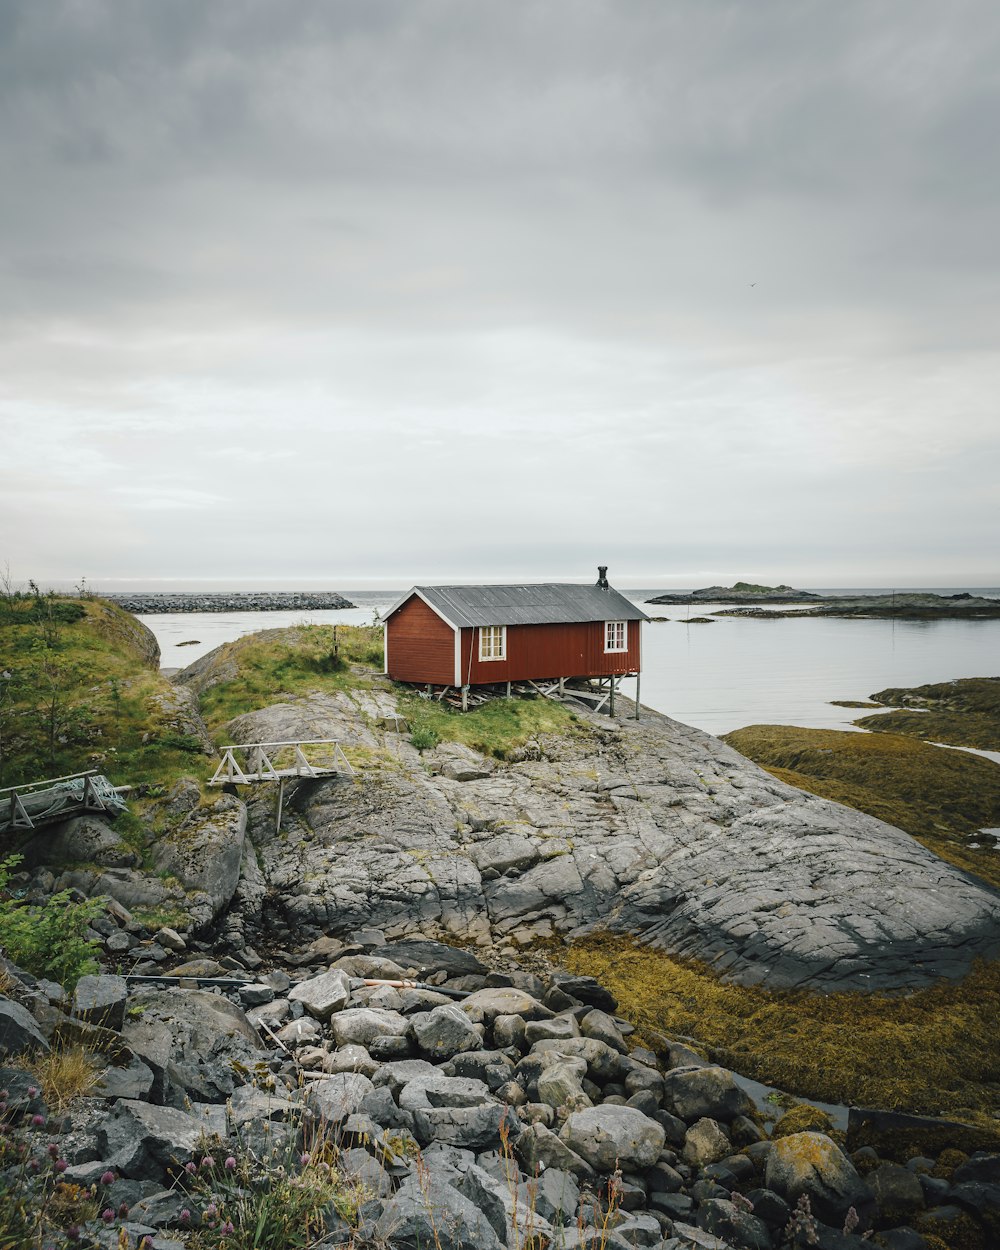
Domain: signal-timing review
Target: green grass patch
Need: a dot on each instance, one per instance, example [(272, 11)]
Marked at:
[(496, 728), (941, 797), (932, 1052), (256, 671), (82, 693), (963, 713)]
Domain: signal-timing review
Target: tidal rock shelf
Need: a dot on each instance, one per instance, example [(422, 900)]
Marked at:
[(243, 601)]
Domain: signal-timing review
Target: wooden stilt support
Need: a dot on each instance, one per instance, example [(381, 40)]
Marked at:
[(465, 698), (562, 686), (611, 707), (509, 694)]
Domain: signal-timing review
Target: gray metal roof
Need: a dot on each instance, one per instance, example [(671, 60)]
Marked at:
[(550, 603)]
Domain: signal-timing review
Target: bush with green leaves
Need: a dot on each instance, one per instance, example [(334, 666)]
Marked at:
[(47, 939), (424, 738)]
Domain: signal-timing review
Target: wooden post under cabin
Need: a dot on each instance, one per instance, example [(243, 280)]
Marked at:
[(638, 680), (611, 706), (509, 690), (465, 698)]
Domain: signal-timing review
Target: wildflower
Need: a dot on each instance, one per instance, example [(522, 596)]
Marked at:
[(32, 1093), (33, 1165), (229, 1164), (123, 1210), (211, 1211), (108, 1177), (227, 1228), (38, 1120), (53, 1150), (107, 1215), (72, 1233), (208, 1162), (190, 1168), (304, 1158), (185, 1215), (60, 1165)]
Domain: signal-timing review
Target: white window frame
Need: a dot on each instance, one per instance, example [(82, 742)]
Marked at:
[(489, 632), (611, 631)]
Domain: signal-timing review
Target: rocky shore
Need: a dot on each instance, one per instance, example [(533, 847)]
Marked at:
[(407, 1094), (230, 601)]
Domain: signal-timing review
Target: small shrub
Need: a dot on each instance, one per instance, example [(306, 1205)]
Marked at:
[(48, 940), (424, 738), (281, 1200)]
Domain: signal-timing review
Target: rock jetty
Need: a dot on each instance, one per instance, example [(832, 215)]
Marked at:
[(408, 1095), (230, 601)]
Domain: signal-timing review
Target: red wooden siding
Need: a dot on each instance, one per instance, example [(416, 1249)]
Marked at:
[(421, 647), (533, 651)]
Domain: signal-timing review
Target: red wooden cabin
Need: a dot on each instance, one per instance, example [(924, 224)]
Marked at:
[(465, 636)]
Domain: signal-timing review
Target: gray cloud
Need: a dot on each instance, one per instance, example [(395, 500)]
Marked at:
[(448, 287)]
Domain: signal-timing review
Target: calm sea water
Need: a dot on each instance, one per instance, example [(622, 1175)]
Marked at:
[(718, 677)]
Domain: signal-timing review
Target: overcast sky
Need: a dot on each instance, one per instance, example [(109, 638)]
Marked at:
[(435, 289)]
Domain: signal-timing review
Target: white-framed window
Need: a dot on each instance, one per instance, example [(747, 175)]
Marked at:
[(616, 635), (493, 642)]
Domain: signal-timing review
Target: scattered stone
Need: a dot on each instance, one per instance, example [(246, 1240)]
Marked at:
[(323, 995), (610, 1137)]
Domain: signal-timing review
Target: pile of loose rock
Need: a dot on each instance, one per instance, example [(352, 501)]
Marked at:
[(477, 1109)]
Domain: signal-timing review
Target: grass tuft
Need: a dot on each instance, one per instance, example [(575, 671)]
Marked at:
[(63, 1075)]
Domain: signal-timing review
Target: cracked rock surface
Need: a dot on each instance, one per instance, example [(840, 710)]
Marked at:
[(652, 828)]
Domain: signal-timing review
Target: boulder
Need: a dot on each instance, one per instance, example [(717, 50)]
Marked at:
[(339, 1096), (429, 957), (898, 1192), (733, 1224), (323, 995), (539, 1148), (141, 1140), (83, 840), (705, 1143), (814, 1165), (429, 1212), (193, 1041), (445, 1031), (599, 1025), (362, 1025), (18, 1030), (609, 1137), (101, 1000), (559, 1085), (484, 1006), (603, 1063), (692, 1093)]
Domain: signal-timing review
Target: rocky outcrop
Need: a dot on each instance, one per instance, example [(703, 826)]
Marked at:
[(204, 852), (653, 828)]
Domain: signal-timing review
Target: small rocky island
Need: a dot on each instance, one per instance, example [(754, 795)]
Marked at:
[(894, 606), (156, 602)]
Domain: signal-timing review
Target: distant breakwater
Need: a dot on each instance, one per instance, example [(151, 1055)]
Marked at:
[(236, 601)]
